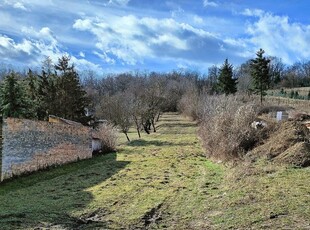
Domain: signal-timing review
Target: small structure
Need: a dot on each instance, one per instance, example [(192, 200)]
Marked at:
[(96, 145), (281, 115)]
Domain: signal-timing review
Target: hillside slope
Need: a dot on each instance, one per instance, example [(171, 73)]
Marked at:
[(162, 181)]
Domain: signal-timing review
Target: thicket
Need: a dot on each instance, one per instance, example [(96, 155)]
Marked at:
[(225, 126)]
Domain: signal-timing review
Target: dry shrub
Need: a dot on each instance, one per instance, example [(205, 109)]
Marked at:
[(225, 127), (189, 105), (108, 134)]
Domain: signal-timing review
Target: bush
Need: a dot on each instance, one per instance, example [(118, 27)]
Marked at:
[(189, 104), (225, 129), (108, 134)]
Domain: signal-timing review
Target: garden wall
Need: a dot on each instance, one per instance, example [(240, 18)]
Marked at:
[(29, 145)]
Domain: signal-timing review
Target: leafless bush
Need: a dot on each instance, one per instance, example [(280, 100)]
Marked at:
[(189, 105), (225, 126), (107, 133)]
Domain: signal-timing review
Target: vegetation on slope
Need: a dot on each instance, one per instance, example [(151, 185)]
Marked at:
[(162, 181)]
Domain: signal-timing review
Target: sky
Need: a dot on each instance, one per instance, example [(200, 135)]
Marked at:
[(109, 36)]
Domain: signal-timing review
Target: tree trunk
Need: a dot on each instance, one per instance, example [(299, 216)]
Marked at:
[(158, 115), (137, 126), (261, 92), (153, 124), (127, 137)]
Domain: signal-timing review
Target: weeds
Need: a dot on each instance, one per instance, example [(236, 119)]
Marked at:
[(225, 127)]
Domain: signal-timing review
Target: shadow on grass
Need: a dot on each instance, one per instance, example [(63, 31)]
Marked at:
[(48, 198), (141, 142), (176, 125)]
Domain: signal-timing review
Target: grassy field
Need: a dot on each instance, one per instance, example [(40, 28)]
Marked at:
[(302, 91), (162, 181)]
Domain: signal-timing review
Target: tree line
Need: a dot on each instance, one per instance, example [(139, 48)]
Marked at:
[(134, 98), (56, 90)]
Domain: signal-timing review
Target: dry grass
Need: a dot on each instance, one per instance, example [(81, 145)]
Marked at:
[(225, 128), (302, 106), (287, 143)]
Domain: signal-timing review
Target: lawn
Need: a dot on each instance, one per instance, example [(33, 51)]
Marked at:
[(161, 181)]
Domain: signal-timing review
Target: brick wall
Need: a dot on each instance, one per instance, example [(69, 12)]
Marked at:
[(31, 145)]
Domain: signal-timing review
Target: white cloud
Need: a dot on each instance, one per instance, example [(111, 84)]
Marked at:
[(170, 40), (207, 3), (82, 24), (280, 37), (32, 51), (131, 40), (15, 4), (105, 57), (9, 49), (19, 5), (118, 2), (83, 64), (253, 12), (45, 34), (197, 19), (82, 54), (177, 12)]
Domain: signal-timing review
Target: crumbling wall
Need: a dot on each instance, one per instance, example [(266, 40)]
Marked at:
[(32, 145)]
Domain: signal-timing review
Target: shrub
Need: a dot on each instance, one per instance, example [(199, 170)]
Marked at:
[(189, 104), (225, 129), (108, 134)]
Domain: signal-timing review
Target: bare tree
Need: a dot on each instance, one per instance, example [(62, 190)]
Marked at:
[(117, 110)]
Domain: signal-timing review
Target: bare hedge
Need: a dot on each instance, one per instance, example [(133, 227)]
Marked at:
[(225, 126)]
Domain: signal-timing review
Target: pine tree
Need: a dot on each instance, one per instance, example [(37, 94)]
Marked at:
[(31, 85), (226, 83), (71, 97), (260, 74), (47, 91), (13, 98)]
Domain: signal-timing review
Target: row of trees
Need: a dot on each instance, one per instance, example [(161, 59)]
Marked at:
[(136, 98), (279, 75), (259, 69), (123, 99), (56, 90)]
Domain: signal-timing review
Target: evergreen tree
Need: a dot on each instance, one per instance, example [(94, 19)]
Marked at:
[(31, 86), (13, 98), (47, 91), (71, 98), (260, 74), (226, 83)]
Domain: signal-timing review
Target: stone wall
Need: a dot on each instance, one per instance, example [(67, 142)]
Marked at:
[(31, 145)]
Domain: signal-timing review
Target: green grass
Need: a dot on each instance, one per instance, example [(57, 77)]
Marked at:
[(161, 181)]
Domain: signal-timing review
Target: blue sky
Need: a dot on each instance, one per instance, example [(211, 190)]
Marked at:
[(154, 35)]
